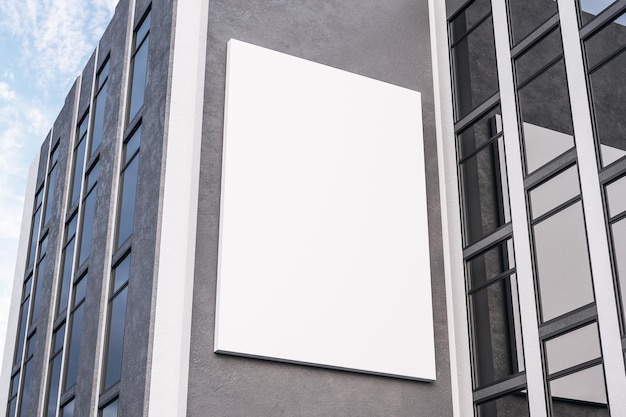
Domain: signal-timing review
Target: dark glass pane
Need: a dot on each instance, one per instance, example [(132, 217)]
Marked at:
[(572, 348), (605, 42), (25, 398), (71, 229), (98, 118), (21, 330), (496, 332), (554, 192), (33, 238), (480, 132), (79, 160), (562, 262), (76, 334), (485, 192), (142, 30), (103, 74), (80, 289), (580, 394), (491, 263), (539, 56), (58, 338), (39, 198), (511, 405), (618, 232), (53, 386), (127, 207), (527, 15), (546, 116), (66, 277), (140, 67), (82, 127), (616, 197), (43, 247), (30, 347), (469, 17), (86, 234), (132, 145), (54, 155), (92, 177), (608, 92), (15, 382), (121, 274), (68, 409), (591, 8), (115, 348), (38, 288), (110, 410), (475, 69), (52, 179), (12, 404)]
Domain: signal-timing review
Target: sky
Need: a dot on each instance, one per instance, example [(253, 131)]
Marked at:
[(44, 45)]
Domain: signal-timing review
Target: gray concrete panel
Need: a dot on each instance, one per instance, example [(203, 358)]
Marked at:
[(339, 34)]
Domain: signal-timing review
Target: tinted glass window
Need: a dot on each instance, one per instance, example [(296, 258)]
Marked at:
[(554, 192), (562, 262), (616, 197), (110, 410), (491, 264), (580, 393), (527, 15), (86, 234), (543, 53), (33, 238), (25, 402), (127, 207), (514, 404), (68, 409), (39, 278), (618, 234), (52, 179), (76, 334), (480, 133), (53, 386), (573, 348), (79, 160), (66, 277), (115, 347), (140, 69), (121, 274), (591, 8)]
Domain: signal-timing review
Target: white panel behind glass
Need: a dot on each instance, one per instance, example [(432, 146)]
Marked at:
[(323, 255)]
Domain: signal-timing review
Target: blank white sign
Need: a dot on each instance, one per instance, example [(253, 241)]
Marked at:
[(323, 245)]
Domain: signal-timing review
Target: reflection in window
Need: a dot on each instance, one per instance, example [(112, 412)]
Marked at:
[(26, 382), (99, 105), (591, 8), (68, 409), (79, 160), (76, 331), (54, 372), (126, 213), (616, 207), (483, 178), (51, 184), (514, 404), (89, 209), (110, 410), (21, 330), (116, 323), (139, 67), (15, 381), (527, 15), (554, 192), (562, 262), (606, 71), (579, 393), (67, 264), (544, 102), (474, 57), (572, 348), (34, 232)]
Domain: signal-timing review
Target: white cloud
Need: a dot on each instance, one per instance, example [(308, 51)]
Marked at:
[(5, 92)]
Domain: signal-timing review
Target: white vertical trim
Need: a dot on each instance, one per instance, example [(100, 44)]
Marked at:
[(458, 334), (18, 282), (519, 219), (176, 246), (608, 319)]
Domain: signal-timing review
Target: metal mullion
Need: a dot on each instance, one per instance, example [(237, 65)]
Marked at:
[(470, 30), (613, 171), (573, 369), (119, 290), (500, 234), (555, 210), (548, 171), (535, 37), (477, 113), (540, 72), (515, 383), (476, 151), (617, 218), (605, 17), (501, 276), (569, 321)]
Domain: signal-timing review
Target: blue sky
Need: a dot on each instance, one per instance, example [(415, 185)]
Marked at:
[(44, 45)]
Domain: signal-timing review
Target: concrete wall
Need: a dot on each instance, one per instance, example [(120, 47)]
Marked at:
[(388, 41)]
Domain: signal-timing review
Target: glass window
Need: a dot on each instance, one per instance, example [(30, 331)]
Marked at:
[(496, 331), (572, 348), (87, 231), (618, 235), (510, 405), (474, 59), (591, 8), (110, 410), (92, 177), (527, 15), (546, 116), (480, 133), (555, 191), (121, 274), (15, 381), (55, 373), (34, 232), (51, 186), (39, 277), (66, 276), (25, 396), (115, 347), (540, 56), (68, 409), (23, 320), (485, 191), (76, 330), (491, 264), (616, 196), (608, 102), (79, 161), (562, 262), (99, 105), (126, 214), (139, 67), (579, 393)]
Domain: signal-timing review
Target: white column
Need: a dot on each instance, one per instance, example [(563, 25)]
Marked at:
[(608, 319), (460, 366), (519, 219), (177, 240)]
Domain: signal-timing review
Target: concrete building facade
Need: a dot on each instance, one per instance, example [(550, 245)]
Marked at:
[(120, 278)]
